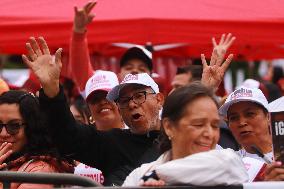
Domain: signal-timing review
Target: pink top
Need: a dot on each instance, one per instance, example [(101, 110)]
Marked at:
[(33, 167)]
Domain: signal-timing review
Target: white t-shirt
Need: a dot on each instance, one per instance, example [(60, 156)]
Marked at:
[(243, 153)]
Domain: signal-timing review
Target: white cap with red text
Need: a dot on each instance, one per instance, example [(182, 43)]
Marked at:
[(101, 80), (142, 79), (244, 94)]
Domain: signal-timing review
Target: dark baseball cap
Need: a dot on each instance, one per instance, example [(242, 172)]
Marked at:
[(137, 52)]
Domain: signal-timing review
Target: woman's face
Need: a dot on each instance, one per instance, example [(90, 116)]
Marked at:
[(197, 130), (104, 113), (250, 125), (10, 116)]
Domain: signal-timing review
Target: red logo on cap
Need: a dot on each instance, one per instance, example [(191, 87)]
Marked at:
[(241, 93), (130, 78)]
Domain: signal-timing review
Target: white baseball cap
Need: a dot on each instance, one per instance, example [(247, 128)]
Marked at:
[(251, 83), (244, 94), (101, 80), (142, 79)]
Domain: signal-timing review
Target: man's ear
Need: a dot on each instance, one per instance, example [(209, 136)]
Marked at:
[(160, 98)]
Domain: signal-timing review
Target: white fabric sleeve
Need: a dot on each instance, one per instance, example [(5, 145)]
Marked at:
[(215, 167)]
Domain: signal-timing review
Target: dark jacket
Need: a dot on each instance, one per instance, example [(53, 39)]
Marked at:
[(116, 153)]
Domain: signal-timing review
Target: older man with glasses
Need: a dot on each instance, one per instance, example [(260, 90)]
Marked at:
[(139, 102), (116, 152)]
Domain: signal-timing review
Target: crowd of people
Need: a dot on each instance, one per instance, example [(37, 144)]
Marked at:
[(122, 125)]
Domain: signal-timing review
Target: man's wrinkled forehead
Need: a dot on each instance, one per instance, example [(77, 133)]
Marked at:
[(129, 89)]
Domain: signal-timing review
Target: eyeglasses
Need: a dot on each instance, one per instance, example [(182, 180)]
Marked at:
[(138, 98), (11, 128)]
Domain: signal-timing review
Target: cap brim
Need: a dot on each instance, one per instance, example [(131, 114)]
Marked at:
[(223, 110), (97, 90), (113, 95)]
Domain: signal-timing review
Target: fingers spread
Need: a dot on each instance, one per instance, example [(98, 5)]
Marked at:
[(227, 62), (227, 38), (31, 52), (44, 46), (230, 42), (90, 7), (214, 42), (222, 39), (58, 57), (203, 59), (220, 57), (214, 57), (87, 6), (26, 61), (35, 46)]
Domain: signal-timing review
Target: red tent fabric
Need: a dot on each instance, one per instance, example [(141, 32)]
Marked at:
[(258, 25)]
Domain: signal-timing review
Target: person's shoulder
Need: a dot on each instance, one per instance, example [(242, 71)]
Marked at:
[(38, 166)]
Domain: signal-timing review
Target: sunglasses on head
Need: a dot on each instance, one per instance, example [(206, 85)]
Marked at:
[(11, 128)]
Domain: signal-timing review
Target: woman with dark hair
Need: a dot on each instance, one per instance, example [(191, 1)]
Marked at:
[(190, 125), (25, 142)]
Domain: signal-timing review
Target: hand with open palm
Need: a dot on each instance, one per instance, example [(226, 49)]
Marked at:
[(213, 73), (224, 44), (45, 67)]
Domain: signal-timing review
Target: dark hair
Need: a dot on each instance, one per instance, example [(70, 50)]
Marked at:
[(38, 138), (136, 53), (195, 70), (273, 91), (82, 107), (277, 74), (175, 104)]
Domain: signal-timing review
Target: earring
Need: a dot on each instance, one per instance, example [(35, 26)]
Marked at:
[(91, 120), (169, 137)]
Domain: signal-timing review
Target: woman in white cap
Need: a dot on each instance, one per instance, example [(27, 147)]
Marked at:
[(246, 110)]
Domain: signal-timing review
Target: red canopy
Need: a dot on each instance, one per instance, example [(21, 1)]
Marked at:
[(258, 25)]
